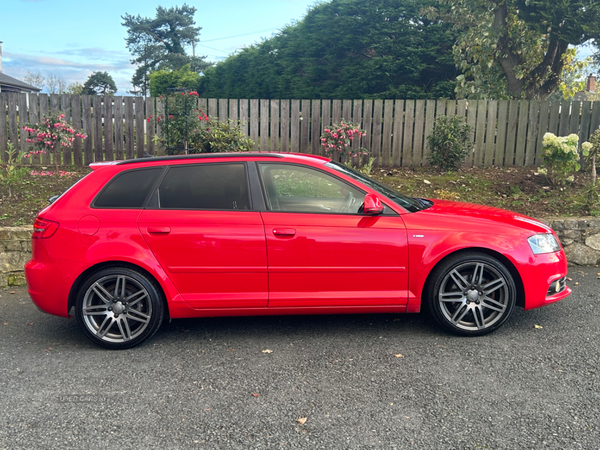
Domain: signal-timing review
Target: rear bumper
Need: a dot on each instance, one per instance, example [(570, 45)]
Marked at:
[(47, 287)]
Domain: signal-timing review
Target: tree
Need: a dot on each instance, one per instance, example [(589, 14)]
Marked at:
[(163, 80), (74, 88), (345, 49), (56, 85), (573, 78), (35, 79), (516, 48), (160, 43), (99, 83)]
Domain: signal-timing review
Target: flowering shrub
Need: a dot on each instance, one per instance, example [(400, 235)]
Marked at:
[(590, 151), (185, 128), (336, 141), (181, 117), (561, 157), (51, 134)]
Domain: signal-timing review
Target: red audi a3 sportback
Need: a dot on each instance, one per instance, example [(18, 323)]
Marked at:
[(136, 242)]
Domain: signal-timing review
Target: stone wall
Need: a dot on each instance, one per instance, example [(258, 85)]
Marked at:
[(580, 238), (15, 251)]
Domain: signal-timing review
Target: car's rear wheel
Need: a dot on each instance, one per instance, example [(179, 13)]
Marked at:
[(471, 294), (119, 308)]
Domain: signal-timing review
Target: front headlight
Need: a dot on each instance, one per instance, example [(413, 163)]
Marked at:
[(543, 243)]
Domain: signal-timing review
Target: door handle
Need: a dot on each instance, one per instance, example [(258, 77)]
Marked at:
[(284, 232), (159, 230)]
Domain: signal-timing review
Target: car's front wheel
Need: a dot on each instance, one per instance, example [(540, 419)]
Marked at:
[(119, 308), (471, 294)]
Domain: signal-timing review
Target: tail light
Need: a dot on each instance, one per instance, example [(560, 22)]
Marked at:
[(43, 228)]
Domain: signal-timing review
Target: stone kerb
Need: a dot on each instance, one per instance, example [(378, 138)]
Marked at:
[(15, 251), (580, 238)]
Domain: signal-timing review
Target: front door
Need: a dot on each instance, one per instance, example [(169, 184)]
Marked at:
[(321, 251)]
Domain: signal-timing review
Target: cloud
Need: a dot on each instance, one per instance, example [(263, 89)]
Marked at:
[(95, 53), (73, 65)]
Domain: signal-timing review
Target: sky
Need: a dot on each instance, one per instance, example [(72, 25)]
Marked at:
[(71, 39)]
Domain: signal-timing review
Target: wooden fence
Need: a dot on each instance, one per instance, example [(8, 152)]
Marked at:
[(505, 133)]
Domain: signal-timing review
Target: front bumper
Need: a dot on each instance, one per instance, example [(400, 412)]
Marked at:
[(540, 278)]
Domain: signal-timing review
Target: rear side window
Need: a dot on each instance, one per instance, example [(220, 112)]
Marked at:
[(205, 186), (128, 189)]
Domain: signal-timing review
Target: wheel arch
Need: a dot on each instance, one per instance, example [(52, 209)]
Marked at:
[(520, 300), (106, 264)]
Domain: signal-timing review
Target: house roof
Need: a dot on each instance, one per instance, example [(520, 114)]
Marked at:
[(9, 83)]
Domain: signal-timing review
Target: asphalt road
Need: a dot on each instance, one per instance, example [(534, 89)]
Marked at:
[(374, 381)]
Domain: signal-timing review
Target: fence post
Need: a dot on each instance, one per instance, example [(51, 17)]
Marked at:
[(76, 113), (407, 142), (264, 125)]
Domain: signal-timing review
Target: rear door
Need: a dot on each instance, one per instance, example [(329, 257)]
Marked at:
[(202, 229)]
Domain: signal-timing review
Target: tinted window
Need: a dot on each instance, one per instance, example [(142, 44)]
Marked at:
[(127, 189), (301, 189), (205, 186)]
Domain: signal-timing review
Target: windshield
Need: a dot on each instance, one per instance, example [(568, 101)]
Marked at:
[(409, 203)]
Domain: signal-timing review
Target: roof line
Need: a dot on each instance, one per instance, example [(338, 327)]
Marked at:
[(10, 81), (201, 156)]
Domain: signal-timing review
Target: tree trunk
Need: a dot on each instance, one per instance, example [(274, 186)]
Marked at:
[(543, 80)]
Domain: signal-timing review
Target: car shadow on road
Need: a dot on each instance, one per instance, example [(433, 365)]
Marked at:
[(348, 325)]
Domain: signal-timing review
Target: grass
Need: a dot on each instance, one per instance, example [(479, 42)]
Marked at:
[(518, 189), (27, 190)]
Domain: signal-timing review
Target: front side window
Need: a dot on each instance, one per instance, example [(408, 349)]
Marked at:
[(205, 186), (128, 189), (302, 189), (409, 203)]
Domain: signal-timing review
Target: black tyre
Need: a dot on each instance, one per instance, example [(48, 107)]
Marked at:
[(119, 308), (471, 294)]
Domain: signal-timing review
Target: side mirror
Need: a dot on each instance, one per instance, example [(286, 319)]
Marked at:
[(372, 205)]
